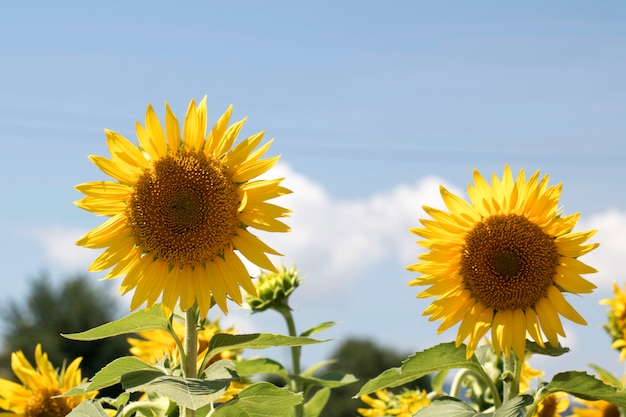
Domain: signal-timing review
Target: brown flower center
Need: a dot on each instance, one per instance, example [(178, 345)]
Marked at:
[(184, 209), (611, 410), (40, 404), (549, 407), (508, 262)]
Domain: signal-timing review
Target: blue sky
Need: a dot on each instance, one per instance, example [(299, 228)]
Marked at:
[(372, 105)]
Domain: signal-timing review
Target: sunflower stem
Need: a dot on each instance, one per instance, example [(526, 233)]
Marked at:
[(510, 376), (190, 356), (294, 383)]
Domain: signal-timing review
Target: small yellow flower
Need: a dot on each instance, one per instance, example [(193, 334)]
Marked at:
[(389, 404), (553, 405), (598, 408), (153, 345), (502, 263), (616, 325), (33, 397)]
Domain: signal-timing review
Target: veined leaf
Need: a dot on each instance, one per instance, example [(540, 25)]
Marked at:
[(438, 358), (585, 386), (332, 379), (191, 393), (260, 366), (88, 408), (260, 400), (223, 341), (139, 321), (318, 328), (315, 406), (111, 374)]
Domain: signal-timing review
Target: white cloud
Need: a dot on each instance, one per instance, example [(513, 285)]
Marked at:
[(336, 240), (611, 227), (59, 247)]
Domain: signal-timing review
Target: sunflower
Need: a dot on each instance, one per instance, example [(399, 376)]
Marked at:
[(553, 405), (527, 374), (503, 262), (33, 397), (616, 325), (387, 403), (180, 207), (598, 408)]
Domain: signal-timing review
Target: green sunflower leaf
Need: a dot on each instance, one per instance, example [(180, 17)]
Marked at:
[(548, 350), (447, 407), (88, 408), (260, 366), (438, 358), (191, 393), (315, 406), (515, 407), (318, 328), (111, 374), (453, 407), (261, 399), (139, 321), (606, 376), (332, 379), (587, 387), (223, 341)]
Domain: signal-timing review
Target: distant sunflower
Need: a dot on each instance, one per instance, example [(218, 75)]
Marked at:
[(553, 405), (387, 403), (153, 345), (616, 326), (33, 397), (597, 408), (503, 262), (180, 207)]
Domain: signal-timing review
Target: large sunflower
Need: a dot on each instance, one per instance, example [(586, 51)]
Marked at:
[(503, 262), (180, 206), (33, 397)]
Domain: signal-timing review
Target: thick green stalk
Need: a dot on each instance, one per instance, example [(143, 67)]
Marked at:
[(294, 384), (190, 357), (511, 373)]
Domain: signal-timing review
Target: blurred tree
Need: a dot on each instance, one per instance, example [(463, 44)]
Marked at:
[(47, 311), (365, 360)]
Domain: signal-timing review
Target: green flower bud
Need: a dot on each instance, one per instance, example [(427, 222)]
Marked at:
[(273, 289)]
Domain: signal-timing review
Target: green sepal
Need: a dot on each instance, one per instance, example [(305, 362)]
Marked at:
[(224, 341), (315, 406), (584, 386), (438, 358), (261, 399), (111, 374), (139, 321)]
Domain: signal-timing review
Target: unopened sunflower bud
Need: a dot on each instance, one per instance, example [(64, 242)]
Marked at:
[(273, 289)]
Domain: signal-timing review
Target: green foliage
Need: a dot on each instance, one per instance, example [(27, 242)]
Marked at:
[(453, 407), (88, 408), (364, 359), (437, 358), (584, 386), (139, 321), (260, 400)]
